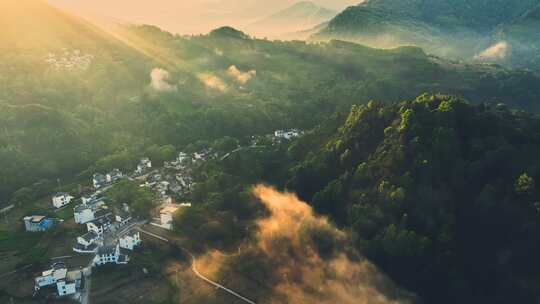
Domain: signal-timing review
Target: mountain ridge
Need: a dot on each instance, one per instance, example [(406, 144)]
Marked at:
[(299, 16), (450, 28)]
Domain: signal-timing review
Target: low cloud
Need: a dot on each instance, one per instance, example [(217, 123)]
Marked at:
[(310, 257), (240, 76), (302, 258), (498, 51), (160, 81), (212, 82)]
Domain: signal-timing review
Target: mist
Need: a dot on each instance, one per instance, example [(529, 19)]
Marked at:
[(309, 259), (189, 16)]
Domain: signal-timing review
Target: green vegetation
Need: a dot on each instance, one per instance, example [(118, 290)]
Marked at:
[(140, 200), (435, 193), (95, 106), (458, 29)]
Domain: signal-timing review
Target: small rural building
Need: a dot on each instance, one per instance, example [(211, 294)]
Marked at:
[(93, 199), (123, 216), (99, 180), (86, 213), (37, 223), (100, 225), (166, 215), (67, 282), (143, 165), (109, 254), (130, 240), (287, 135), (113, 176), (87, 243), (59, 200)]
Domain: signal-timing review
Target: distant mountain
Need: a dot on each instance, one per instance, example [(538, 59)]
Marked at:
[(452, 28), (300, 16)]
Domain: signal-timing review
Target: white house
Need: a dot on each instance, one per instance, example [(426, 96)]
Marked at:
[(67, 282), (92, 199), (37, 223), (109, 254), (143, 165), (100, 225), (87, 243), (99, 180), (182, 158), (288, 135), (130, 240), (166, 215), (86, 213), (123, 216), (51, 276), (114, 176), (59, 200), (83, 214), (64, 288)]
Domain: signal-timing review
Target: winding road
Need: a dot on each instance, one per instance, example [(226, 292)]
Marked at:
[(196, 271)]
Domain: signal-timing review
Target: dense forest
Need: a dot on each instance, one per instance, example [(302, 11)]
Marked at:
[(435, 195), (97, 100), (438, 192)]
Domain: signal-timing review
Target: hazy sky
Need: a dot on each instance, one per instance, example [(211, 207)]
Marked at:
[(188, 16)]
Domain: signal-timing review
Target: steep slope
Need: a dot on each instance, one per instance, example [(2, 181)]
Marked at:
[(300, 16), (439, 193), (78, 99), (454, 28)]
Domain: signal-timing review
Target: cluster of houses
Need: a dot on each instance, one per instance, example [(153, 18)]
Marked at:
[(100, 224), (181, 180), (60, 280), (69, 60), (102, 180), (40, 223), (109, 236), (287, 134)]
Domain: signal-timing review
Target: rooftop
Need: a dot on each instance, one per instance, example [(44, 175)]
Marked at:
[(89, 236), (169, 209), (61, 194), (108, 249), (34, 218), (102, 221)]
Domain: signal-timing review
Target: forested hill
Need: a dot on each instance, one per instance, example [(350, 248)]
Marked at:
[(449, 28), (442, 194), (78, 99)]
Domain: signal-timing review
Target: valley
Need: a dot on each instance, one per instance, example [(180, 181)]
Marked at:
[(390, 158)]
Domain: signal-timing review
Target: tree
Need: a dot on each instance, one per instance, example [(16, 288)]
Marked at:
[(160, 154), (525, 184), (23, 195)]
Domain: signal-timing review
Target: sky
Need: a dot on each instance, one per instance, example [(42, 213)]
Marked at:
[(187, 16)]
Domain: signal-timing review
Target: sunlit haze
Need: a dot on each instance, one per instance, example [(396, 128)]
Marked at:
[(188, 16)]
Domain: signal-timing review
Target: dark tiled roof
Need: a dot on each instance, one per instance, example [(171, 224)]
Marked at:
[(109, 249), (89, 236), (91, 247), (102, 221), (101, 213)]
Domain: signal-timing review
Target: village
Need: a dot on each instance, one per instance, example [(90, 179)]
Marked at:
[(113, 232)]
